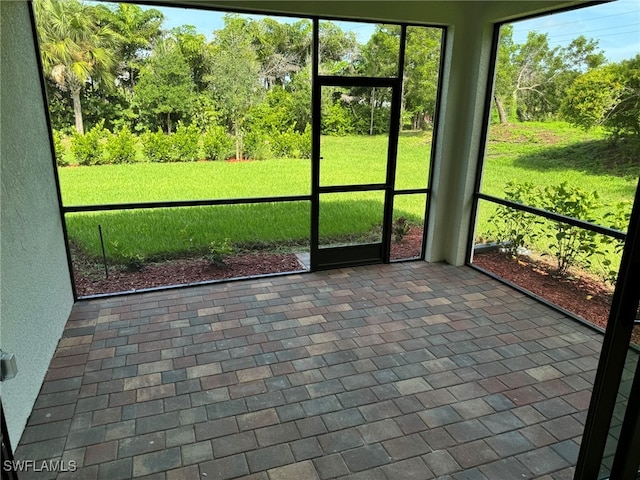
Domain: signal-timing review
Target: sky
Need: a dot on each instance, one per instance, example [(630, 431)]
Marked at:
[(615, 25)]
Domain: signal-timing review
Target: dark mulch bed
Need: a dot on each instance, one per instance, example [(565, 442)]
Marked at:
[(409, 247), (90, 278), (181, 272), (587, 297)]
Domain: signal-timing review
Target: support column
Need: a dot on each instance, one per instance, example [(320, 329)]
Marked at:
[(459, 136)]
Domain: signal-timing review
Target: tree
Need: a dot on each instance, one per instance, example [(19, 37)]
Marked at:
[(532, 78), (165, 89), (137, 30), (379, 58), (235, 74), (300, 89), (282, 49), (505, 73), (337, 49), (420, 78), (607, 96), (193, 46), (536, 66), (75, 50)]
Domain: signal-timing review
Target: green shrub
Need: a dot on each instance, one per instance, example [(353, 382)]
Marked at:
[(336, 120), (257, 145), (570, 245), (217, 144), (184, 143), (203, 112), (362, 120), (87, 148), (59, 149), (132, 262), (400, 228), (618, 218), (286, 144), (513, 229), (218, 251), (120, 147), (157, 146), (305, 143)]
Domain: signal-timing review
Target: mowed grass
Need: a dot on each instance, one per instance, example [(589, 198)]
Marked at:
[(549, 153), (353, 159), (542, 153), (170, 232)]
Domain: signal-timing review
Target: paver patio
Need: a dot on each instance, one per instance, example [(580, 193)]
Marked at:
[(402, 371)]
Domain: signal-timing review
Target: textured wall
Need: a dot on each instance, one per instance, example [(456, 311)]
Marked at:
[(35, 289)]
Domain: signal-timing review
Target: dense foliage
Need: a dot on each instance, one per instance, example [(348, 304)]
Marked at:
[(116, 65), (250, 84), (516, 230)]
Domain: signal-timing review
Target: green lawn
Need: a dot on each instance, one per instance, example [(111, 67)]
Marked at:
[(543, 153), (547, 154), (170, 231), (146, 182)]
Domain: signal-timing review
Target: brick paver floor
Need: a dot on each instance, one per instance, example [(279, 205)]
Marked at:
[(403, 371)]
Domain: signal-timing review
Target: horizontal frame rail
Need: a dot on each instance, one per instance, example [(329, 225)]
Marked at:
[(610, 232), (339, 81), (371, 187), (412, 191), (183, 203)]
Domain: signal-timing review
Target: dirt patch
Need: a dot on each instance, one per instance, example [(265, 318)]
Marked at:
[(513, 133)]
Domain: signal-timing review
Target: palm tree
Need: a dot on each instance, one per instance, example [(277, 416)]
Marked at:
[(137, 30), (75, 50)]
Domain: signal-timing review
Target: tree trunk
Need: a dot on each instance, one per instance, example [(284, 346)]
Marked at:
[(501, 113), (373, 106), (77, 110), (169, 123), (236, 129)]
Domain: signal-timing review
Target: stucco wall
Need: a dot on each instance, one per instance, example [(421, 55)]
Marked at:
[(35, 288)]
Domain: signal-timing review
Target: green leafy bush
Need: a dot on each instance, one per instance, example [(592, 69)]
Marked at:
[(184, 143), (120, 147), (570, 245), (513, 228), (88, 148), (218, 251), (59, 149), (362, 119), (257, 145), (336, 120), (305, 143), (617, 219), (157, 146), (285, 144), (217, 144)]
